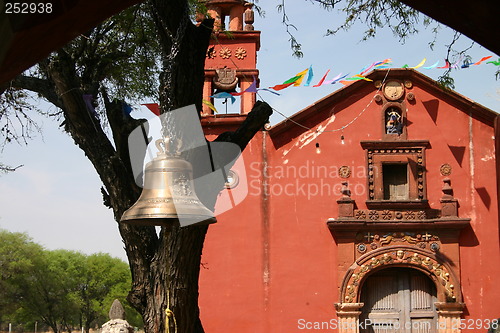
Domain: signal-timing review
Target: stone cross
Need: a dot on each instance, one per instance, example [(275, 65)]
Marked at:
[(117, 322), (117, 311)]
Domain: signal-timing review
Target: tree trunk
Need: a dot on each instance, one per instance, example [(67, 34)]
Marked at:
[(165, 267)]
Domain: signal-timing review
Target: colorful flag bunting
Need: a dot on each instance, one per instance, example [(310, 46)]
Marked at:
[(224, 95), (447, 64), (482, 59), (301, 76), (384, 63), (268, 90), (310, 75), (358, 77), (338, 78), (420, 64), (496, 63), (252, 88), (466, 64), (210, 105), (322, 79), (281, 86), (127, 109), (89, 99), (292, 80), (368, 69), (457, 64), (153, 107), (432, 66)]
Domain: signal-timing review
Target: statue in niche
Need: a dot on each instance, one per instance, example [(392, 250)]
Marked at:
[(393, 121)]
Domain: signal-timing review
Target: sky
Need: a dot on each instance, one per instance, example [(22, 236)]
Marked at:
[(55, 197)]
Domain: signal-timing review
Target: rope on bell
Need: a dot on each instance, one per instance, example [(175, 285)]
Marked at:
[(169, 314)]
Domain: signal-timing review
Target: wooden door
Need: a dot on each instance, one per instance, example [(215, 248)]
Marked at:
[(398, 300)]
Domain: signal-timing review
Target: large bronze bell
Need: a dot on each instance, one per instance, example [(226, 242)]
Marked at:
[(168, 195)]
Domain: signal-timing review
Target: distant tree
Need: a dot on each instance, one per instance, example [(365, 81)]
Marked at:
[(51, 291), (61, 289), (18, 254), (102, 280)]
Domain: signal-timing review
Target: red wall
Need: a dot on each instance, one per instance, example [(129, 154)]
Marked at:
[(271, 260)]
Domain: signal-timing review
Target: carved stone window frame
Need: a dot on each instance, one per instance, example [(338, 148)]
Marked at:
[(405, 152)]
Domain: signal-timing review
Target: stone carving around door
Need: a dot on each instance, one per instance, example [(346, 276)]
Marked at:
[(447, 285)]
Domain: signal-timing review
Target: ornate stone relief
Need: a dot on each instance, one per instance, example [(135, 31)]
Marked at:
[(375, 240), (344, 171), (445, 169), (240, 53), (225, 79), (400, 257), (395, 215), (400, 151), (225, 53)]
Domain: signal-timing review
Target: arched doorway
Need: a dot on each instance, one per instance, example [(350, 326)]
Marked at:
[(398, 300)]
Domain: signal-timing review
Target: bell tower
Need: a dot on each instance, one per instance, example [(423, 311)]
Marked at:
[(231, 59)]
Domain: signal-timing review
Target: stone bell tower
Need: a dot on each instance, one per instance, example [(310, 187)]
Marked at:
[(232, 54)]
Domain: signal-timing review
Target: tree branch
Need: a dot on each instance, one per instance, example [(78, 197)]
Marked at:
[(42, 87), (255, 120)]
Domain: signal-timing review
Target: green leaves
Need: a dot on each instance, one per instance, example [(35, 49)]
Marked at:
[(375, 14), (61, 289)]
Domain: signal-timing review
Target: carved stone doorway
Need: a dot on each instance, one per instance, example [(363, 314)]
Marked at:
[(398, 300)]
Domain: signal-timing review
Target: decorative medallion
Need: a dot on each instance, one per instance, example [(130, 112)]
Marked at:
[(410, 215), (445, 169), (408, 84), (410, 97), (344, 171), (421, 215), (360, 215), (393, 90), (373, 214), (361, 248), (225, 53), (434, 246), (240, 53), (225, 79), (386, 215), (378, 84)]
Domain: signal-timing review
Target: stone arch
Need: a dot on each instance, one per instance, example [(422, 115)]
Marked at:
[(447, 285)]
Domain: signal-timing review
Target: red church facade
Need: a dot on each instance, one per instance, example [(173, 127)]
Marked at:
[(374, 210)]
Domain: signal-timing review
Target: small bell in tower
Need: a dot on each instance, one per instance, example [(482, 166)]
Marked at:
[(168, 195)]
